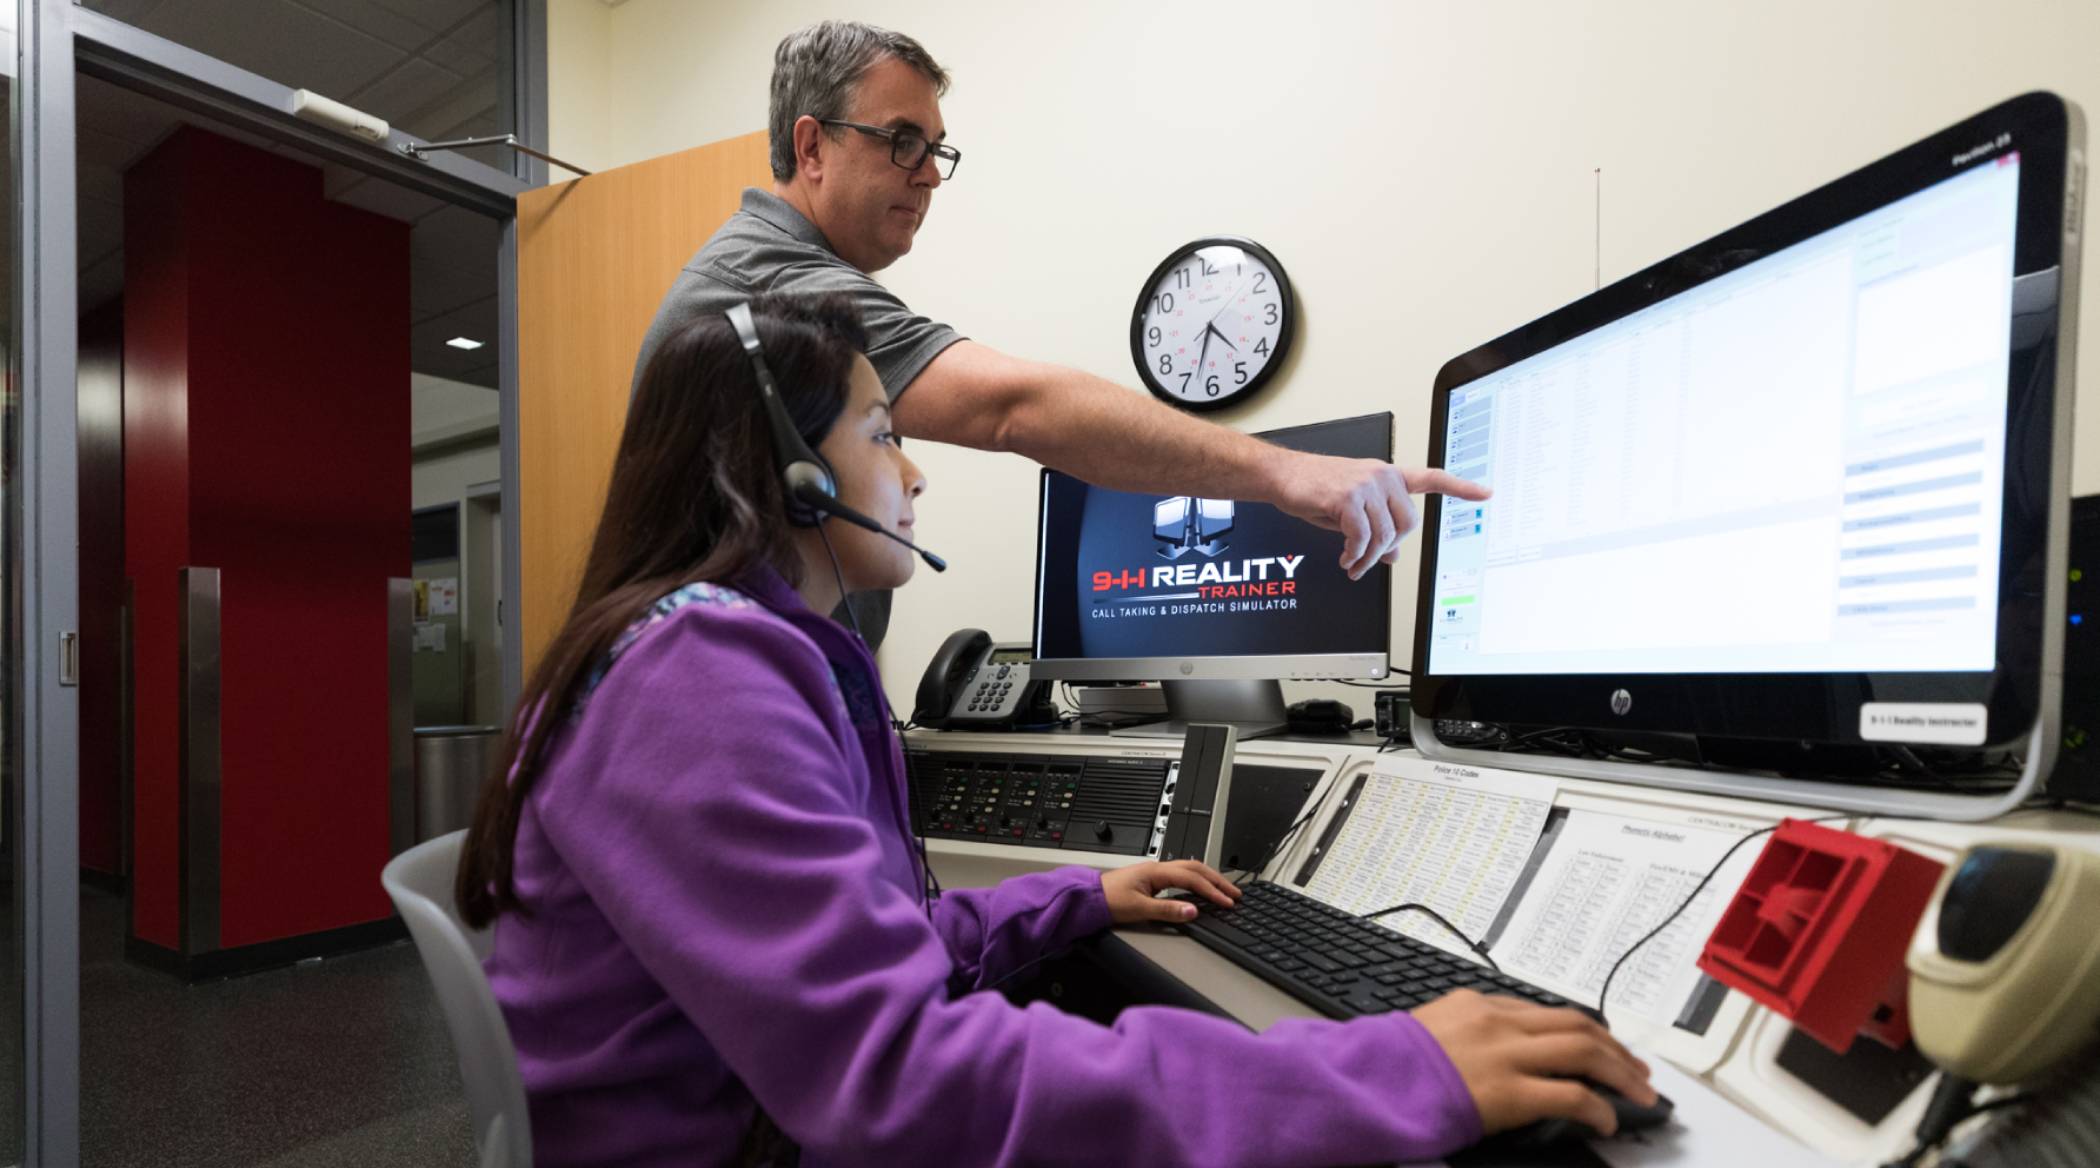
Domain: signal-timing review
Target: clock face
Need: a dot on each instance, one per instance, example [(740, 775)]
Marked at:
[(1212, 323)]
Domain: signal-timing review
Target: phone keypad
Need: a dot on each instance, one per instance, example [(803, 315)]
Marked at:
[(993, 694)]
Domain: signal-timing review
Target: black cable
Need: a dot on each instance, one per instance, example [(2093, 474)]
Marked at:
[(2005, 1101), (1604, 994), (930, 884), (1276, 849), (2066, 805), (1432, 914), (1952, 1102), (852, 618)]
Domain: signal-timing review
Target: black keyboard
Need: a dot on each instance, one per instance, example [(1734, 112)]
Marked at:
[(1338, 963)]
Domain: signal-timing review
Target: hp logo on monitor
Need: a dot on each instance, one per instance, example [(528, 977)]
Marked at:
[(1621, 701)]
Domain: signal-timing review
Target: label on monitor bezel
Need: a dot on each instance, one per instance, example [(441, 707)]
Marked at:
[(1932, 723)]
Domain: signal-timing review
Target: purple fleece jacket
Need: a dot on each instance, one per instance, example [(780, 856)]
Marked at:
[(724, 904)]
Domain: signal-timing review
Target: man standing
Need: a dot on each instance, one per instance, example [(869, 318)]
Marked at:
[(857, 149)]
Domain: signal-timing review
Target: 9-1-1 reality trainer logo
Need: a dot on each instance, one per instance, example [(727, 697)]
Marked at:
[(1183, 526)]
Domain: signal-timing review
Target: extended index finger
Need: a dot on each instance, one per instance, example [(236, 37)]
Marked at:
[(1443, 482)]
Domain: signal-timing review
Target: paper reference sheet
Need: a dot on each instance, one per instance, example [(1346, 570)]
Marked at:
[(1452, 837), (1603, 884)]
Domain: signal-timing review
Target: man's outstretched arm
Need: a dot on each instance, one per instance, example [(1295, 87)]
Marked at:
[(973, 395)]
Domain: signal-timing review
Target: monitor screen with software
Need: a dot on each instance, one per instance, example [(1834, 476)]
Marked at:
[(1799, 482), (1134, 587)]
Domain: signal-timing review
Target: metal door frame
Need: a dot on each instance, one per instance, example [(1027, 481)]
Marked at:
[(55, 39)]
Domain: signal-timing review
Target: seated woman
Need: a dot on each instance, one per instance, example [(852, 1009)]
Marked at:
[(713, 944)]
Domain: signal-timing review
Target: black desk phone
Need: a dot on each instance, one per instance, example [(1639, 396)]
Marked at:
[(974, 684)]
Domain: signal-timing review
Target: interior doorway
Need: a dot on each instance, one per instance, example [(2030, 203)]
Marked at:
[(286, 463)]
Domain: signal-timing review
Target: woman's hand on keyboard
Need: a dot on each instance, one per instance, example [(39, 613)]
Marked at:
[(1523, 1062), (1133, 892)]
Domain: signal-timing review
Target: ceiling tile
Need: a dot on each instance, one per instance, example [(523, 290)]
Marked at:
[(405, 90), (385, 198), (438, 289), (484, 27), (428, 352), (102, 281), (101, 227), (463, 56), (404, 30), (467, 110), (450, 232), (108, 151), (98, 182), (122, 113), (438, 14), (288, 44)]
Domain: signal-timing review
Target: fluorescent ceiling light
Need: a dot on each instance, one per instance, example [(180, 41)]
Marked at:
[(463, 343)]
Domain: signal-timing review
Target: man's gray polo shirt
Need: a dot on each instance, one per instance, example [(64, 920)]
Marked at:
[(767, 246)]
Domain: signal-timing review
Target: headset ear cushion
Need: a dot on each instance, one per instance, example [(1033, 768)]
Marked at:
[(801, 478)]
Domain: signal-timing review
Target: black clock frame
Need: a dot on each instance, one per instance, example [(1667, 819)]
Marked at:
[(1239, 393)]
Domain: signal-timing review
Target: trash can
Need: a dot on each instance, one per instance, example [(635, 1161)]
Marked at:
[(450, 764)]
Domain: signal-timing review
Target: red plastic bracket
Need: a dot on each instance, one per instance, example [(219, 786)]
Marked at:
[(1818, 930)]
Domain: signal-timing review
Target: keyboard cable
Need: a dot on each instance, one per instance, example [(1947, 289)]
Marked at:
[(1432, 914)]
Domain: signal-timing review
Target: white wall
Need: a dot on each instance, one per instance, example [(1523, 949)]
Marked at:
[(444, 476), (453, 427), (442, 410), (1424, 171), (578, 56)]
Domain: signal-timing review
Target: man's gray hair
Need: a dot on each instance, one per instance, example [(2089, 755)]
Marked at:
[(816, 69)]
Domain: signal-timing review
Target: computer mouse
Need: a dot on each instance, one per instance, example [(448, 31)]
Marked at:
[(1523, 1144)]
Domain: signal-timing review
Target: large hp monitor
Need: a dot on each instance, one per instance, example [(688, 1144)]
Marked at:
[(1803, 485), (1219, 600)]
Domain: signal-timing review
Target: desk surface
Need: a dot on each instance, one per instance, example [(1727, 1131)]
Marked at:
[(1734, 1071)]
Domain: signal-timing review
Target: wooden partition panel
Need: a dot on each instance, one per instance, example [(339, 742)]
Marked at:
[(595, 257)]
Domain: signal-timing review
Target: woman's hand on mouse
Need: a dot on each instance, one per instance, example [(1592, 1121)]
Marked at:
[(1133, 892), (1523, 1062)]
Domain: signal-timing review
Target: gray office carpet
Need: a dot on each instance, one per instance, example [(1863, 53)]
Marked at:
[(338, 1062)]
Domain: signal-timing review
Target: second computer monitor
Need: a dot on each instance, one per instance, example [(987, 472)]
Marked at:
[(1138, 587)]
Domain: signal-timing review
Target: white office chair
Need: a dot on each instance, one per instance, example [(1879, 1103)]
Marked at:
[(420, 882)]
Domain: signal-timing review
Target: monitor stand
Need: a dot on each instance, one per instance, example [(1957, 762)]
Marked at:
[(1254, 708)]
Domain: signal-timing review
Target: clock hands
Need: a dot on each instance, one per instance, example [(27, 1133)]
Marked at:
[(1221, 336), (1204, 351)]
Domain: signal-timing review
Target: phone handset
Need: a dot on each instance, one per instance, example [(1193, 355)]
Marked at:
[(954, 664), (974, 684)]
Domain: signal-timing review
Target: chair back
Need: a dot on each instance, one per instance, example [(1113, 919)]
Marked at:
[(420, 882)]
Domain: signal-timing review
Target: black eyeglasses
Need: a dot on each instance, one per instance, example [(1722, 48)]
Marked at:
[(908, 148)]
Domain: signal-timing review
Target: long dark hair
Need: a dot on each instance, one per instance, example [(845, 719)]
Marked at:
[(695, 495)]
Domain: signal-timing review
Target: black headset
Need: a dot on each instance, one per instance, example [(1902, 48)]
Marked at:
[(812, 489), (803, 472)]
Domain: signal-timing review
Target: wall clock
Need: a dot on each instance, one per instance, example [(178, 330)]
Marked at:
[(1212, 323)]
